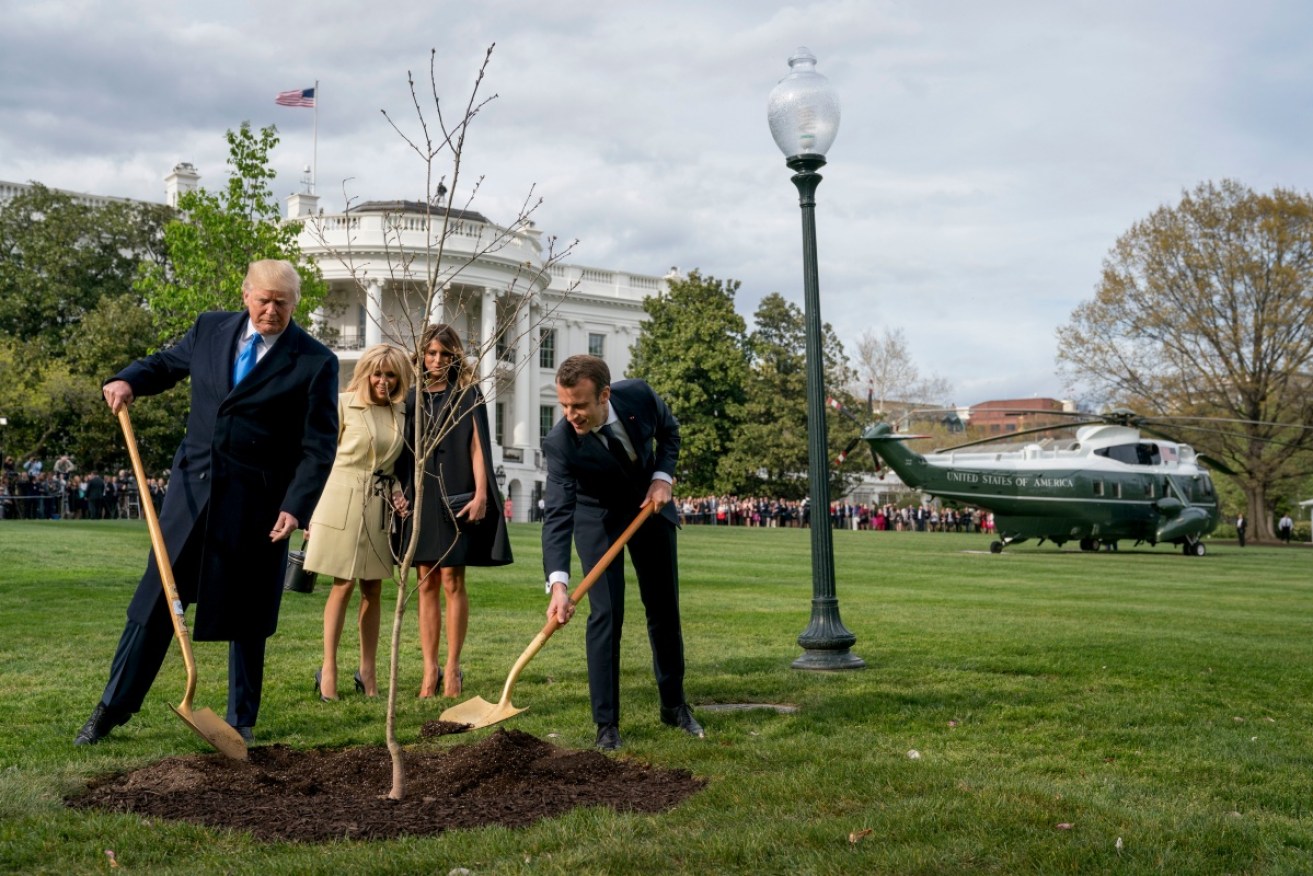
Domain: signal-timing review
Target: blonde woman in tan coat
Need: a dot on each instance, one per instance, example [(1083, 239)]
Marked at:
[(348, 533)]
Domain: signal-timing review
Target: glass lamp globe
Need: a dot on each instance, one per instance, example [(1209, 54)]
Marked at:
[(803, 109)]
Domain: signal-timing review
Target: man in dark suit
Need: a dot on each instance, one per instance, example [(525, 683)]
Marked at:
[(260, 441), (614, 450), (95, 496)]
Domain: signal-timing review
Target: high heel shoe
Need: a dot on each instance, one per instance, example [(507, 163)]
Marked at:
[(460, 684), (319, 689), (360, 686)]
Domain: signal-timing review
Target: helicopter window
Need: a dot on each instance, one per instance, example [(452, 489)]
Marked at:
[(1098, 488), (1148, 454), (1149, 490), (1117, 490), (1124, 453)]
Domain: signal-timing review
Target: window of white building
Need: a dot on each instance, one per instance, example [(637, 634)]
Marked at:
[(547, 348), (546, 420), (597, 345)]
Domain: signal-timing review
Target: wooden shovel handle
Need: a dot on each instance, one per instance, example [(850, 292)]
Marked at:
[(552, 624), (611, 553), (161, 559)]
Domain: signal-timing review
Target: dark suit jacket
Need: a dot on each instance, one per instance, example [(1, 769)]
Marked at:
[(95, 488), (250, 452), (588, 488)]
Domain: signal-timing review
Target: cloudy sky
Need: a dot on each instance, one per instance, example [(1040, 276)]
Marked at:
[(989, 156)]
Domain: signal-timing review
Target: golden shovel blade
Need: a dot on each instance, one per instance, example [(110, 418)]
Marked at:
[(214, 730), (478, 712)]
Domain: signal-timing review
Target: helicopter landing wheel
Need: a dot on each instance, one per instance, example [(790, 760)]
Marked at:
[(996, 547), (1197, 549), (1089, 544)]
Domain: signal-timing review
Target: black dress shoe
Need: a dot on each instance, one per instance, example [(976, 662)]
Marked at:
[(102, 721), (247, 735), (681, 716), (608, 737), (360, 683)]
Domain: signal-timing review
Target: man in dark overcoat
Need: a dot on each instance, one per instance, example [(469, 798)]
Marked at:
[(260, 441), (615, 449), (95, 496)]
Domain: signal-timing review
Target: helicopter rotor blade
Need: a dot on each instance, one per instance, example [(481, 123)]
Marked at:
[(1232, 420), (1008, 436), (1150, 427), (839, 407), (842, 457), (1214, 463)]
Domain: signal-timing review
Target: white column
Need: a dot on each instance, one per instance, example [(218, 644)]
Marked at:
[(525, 370), (488, 361), (374, 314), (437, 307)]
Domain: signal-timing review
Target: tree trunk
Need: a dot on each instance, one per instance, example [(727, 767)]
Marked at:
[(398, 791), (1257, 513)]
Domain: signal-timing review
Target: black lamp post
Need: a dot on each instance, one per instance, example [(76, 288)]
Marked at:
[(500, 475), (803, 111)]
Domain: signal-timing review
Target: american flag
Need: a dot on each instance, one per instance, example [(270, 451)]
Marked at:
[(300, 97)]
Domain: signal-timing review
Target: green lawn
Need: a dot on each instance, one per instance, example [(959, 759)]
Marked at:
[(1059, 702)]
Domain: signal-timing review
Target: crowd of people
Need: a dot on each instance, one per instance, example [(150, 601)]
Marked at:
[(795, 513), (30, 492), (271, 447)]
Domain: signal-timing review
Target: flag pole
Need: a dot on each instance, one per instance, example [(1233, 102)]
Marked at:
[(314, 160)]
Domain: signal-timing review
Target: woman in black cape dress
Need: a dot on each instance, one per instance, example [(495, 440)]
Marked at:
[(460, 512)]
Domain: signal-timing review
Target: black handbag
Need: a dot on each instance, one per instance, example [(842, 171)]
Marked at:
[(298, 579), (453, 503)]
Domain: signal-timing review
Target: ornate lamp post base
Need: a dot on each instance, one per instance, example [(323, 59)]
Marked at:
[(828, 661), (826, 642)]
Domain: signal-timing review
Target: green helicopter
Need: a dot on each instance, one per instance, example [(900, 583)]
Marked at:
[(1120, 478)]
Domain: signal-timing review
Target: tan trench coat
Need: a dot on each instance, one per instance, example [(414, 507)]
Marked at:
[(349, 528)]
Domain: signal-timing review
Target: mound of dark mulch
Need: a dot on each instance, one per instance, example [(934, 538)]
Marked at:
[(510, 778)]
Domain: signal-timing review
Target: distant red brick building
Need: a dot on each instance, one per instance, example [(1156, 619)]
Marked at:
[(1001, 416)]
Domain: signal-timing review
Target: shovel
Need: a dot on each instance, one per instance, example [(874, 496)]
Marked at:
[(478, 712), (207, 725)]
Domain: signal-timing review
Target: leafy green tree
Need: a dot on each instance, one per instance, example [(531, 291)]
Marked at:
[(1206, 309), (54, 404), (769, 454), (115, 333), (59, 258), (693, 351), (69, 318), (219, 235)]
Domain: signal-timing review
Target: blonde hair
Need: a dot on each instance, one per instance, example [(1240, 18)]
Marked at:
[(273, 275), (378, 358), (450, 340)]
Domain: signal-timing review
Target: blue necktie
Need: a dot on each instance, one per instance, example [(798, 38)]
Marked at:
[(246, 361)]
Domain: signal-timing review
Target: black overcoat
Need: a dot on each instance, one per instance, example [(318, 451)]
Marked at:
[(265, 446)]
